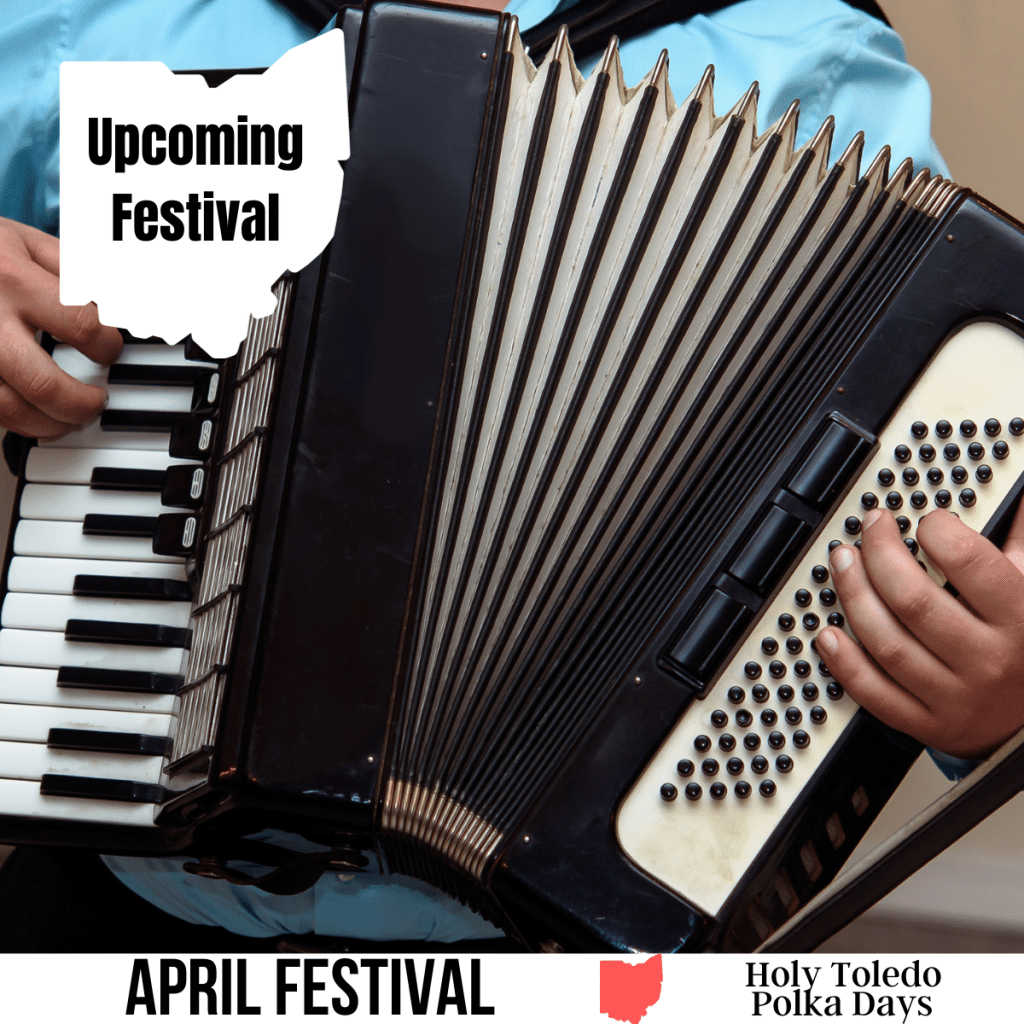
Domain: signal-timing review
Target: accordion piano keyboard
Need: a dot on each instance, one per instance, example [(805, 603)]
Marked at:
[(67, 707)]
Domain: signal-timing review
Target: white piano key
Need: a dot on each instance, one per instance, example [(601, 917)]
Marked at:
[(29, 723), (93, 436), (148, 396), (41, 648), (66, 540), (65, 502), (75, 466), (19, 685), (20, 797), (72, 361), (57, 575), (52, 611), (31, 761)]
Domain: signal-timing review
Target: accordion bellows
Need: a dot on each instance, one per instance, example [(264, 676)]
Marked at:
[(641, 303)]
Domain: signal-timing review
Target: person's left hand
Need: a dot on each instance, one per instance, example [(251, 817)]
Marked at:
[(949, 672)]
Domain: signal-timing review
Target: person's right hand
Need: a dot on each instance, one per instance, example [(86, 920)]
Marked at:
[(37, 398)]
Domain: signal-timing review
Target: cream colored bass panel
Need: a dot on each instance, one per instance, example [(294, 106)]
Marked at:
[(739, 758)]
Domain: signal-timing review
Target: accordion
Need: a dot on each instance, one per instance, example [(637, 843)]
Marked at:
[(498, 552)]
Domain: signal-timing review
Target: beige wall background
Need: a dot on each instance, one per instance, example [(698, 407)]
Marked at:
[(972, 53)]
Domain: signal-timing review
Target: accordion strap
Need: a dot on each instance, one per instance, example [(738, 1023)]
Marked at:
[(890, 864), (591, 22)]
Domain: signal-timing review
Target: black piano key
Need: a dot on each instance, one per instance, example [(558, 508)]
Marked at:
[(105, 478), (137, 419), (109, 742), (131, 339), (191, 437), (133, 587), (129, 373), (138, 634), (97, 525), (102, 789), (76, 677), (183, 487), (206, 390), (175, 534)]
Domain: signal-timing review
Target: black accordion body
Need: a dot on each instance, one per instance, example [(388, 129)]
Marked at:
[(498, 552)]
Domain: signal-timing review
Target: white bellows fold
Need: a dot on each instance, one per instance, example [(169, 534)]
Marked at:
[(654, 256)]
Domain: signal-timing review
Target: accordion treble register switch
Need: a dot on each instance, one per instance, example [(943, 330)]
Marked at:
[(174, 533), (178, 486)]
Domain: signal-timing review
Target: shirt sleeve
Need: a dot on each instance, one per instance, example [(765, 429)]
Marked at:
[(954, 768), (35, 37)]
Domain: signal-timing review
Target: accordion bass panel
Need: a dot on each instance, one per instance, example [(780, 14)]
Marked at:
[(519, 510)]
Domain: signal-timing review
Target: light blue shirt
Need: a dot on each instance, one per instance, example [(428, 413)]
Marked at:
[(836, 60)]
